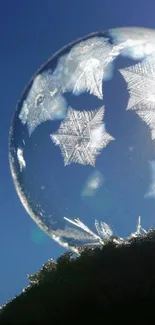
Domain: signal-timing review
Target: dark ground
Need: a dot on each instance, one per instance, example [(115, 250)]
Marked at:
[(111, 285)]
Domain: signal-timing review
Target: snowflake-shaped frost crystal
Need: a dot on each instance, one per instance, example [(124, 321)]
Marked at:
[(82, 136), (141, 84)]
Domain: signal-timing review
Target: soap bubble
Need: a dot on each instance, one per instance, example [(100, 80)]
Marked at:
[(82, 141)]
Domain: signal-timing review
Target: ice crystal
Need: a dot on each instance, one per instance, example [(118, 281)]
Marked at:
[(141, 85), (104, 232), (86, 65), (103, 229), (82, 136), (43, 102)]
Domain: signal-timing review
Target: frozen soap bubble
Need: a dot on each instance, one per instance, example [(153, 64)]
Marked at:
[(82, 141)]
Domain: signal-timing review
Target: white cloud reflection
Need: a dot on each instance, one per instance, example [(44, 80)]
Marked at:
[(94, 182), (137, 42)]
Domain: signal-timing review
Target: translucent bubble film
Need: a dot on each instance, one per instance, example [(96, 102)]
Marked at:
[(82, 141)]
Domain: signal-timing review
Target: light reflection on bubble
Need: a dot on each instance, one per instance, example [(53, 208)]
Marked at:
[(94, 182), (151, 191), (21, 160)]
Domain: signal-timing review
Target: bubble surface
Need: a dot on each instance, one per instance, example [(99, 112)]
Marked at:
[(82, 141)]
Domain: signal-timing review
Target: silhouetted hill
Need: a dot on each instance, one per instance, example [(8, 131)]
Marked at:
[(111, 285)]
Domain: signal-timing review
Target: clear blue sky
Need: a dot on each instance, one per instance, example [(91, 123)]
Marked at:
[(30, 32)]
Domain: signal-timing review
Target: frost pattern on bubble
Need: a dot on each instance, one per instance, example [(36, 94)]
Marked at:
[(141, 85), (43, 102), (78, 223), (103, 229), (82, 69), (75, 234), (104, 232), (86, 65), (82, 136)]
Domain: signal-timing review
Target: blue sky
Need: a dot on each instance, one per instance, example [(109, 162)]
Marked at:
[(31, 31)]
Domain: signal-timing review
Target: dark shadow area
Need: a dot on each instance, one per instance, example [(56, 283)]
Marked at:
[(114, 284)]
